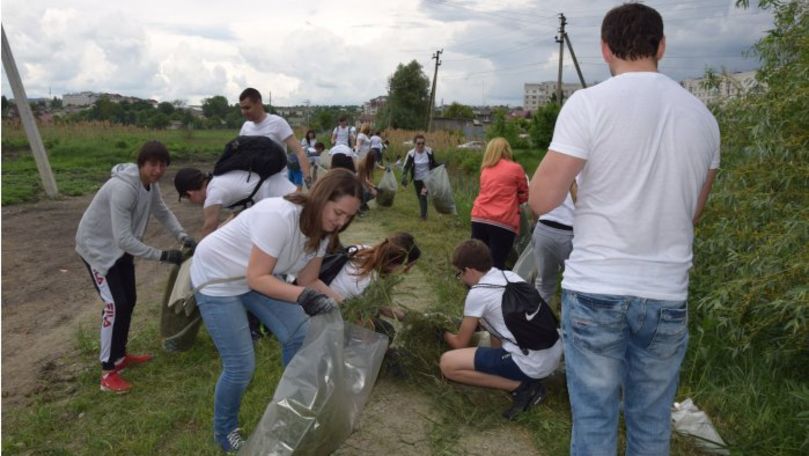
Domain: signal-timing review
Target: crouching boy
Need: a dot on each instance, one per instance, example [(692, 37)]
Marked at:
[(504, 365)]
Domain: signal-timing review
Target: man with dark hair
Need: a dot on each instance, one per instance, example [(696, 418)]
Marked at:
[(217, 192), (503, 365), (646, 153), (259, 123), (342, 134), (109, 237)]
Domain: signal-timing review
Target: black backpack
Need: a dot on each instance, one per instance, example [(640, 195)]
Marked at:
[(334, 262), (527, 316), (256, 154)]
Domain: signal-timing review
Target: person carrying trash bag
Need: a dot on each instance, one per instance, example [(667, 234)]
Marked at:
[(386, 190), (276, 236), (418, 163), (109, 236)]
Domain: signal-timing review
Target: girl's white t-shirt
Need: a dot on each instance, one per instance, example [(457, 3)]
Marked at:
[(273, 226), (347, 283), (421, 164)]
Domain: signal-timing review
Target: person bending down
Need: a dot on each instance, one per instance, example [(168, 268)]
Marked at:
[(504, 365)]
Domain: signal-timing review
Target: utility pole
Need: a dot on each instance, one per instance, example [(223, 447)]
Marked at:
[(437, 58), (27, 118), (561, 40)]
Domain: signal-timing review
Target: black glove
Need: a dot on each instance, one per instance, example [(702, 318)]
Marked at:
[(172, 256), (314, 302), (189, 243)]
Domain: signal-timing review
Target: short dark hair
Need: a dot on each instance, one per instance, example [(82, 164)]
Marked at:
[(342, 119), (188, 179), (632, 31), (153, 151), (474, 254), (320, 146), (251, 93)]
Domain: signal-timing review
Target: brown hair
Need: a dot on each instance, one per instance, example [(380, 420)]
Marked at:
[(498, 148), (632, 31), (367, 166), (396, 250), (330, 187), (474, 254)]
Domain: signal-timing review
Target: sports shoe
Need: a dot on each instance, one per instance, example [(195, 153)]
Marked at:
[(232, 442), (528, 394), (113, 382), (132, 360)]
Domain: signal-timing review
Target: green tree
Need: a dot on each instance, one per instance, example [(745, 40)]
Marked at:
[(459, 111), (215, 107), (408, 97), (502, 127), (6, 105), (56, 103), (158, 121), (166, 108), (542, 123)]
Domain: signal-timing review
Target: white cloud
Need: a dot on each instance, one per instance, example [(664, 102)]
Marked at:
[(340, 52)]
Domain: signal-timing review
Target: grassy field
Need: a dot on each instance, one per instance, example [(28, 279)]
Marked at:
[(760, 406)]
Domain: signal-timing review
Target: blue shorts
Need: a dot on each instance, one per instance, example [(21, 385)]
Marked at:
[(295, 176), (497, 361)]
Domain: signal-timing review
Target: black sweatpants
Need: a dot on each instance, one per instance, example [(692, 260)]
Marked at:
[(499, 240), (418, 185), (117, 291)]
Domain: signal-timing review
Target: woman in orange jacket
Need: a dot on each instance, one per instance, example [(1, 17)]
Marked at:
[(496, 211)]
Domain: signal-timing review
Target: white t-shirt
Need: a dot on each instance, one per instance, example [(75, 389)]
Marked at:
[(485, 304), (376, 142), (563, 213), (347, 283), (363, 145), (231, 187), (648, 146), (272, 225), (421, 165), (341, 135), (342, 149), (273, 127)]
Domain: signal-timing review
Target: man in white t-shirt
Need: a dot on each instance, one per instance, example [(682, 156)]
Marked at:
[(553, 241), (342, 134), (216, 193), (504, 365), (259, 123), (646, 153)]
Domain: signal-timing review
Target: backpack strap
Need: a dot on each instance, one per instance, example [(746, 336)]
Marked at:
[(248, 201)]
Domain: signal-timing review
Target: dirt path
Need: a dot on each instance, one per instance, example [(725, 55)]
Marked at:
[(47, 297)]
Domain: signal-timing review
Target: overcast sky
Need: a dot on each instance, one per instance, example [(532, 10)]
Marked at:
[(342, 52)]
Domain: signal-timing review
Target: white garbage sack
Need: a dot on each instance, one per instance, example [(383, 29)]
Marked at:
[(688, 419), (440, 190), (323, 390)]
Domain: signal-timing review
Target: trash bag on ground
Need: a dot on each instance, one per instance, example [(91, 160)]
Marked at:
[(386, 190), (525, 266), (179, 316), (688, 419), (440, 190), (325, 159), (323, 390)]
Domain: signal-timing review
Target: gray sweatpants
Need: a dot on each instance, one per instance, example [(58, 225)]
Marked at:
[(552, 246)]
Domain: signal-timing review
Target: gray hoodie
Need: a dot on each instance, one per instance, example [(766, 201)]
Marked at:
[(116, 219)]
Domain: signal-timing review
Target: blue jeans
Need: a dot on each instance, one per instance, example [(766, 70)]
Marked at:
[(622, 347), (226, 320)]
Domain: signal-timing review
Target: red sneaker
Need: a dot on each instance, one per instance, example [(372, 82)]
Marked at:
[(132, 360), (113, 382)]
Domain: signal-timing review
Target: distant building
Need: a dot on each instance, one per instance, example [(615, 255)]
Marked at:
[(371, 107), (539, 94), (84, 99), (730, 86)]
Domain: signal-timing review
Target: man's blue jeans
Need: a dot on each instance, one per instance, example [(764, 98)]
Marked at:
[(622, 347), (226, 320)]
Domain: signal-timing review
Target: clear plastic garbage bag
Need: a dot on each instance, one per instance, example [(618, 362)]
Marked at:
[(688, 419), (440, 190), (386, 190), (323, 390), (180, 319), (525, 266)]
